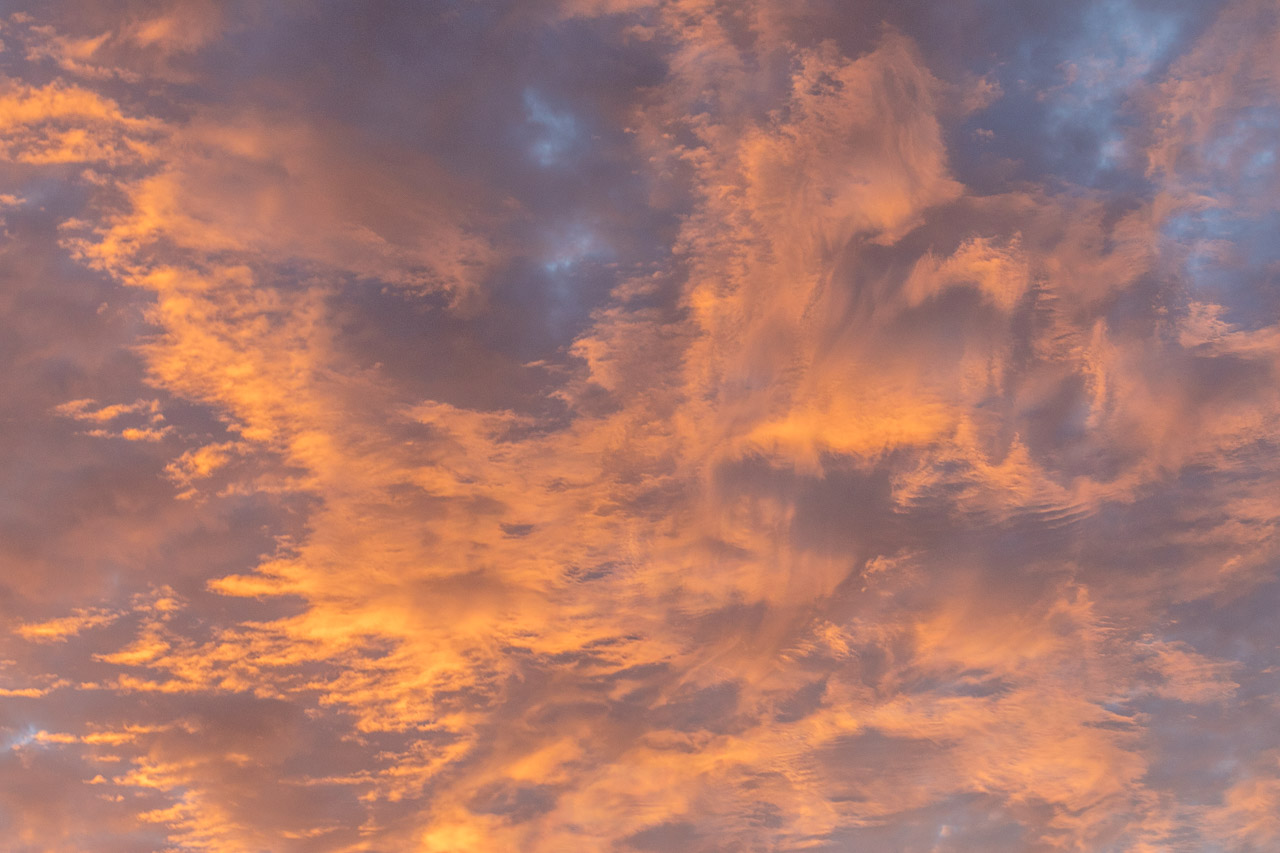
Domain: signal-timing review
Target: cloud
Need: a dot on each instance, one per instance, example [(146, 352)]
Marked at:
[(666, 431), (58, 630), (62, 123)]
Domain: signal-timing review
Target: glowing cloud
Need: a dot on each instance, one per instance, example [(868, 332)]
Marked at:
[(639, 426)]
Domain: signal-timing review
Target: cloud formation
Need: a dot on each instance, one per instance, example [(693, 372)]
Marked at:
[(639, 426)]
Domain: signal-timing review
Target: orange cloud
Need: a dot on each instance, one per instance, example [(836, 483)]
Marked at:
[(872, 509)]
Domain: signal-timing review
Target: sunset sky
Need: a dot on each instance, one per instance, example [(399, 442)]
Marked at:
[(698, 426)]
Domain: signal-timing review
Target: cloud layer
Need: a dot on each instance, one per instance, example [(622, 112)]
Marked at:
[(598, 425)]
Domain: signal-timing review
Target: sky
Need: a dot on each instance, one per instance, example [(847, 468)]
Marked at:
[(700, 426)]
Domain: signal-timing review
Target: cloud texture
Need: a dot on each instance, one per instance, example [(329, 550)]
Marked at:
[(624, 425)]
